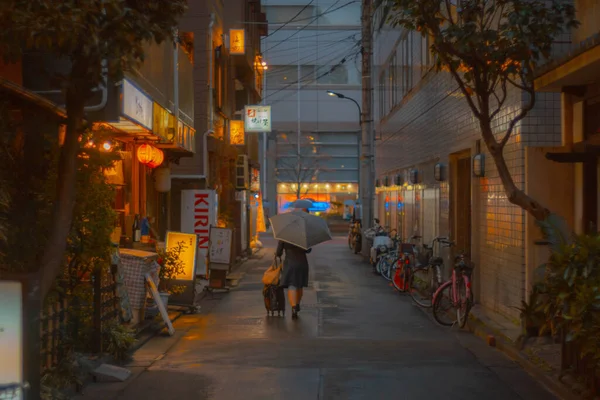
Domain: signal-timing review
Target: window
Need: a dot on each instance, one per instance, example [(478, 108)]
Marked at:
[(426, 58), (283, 14), (382, 97), (288, 74), (337, 76)]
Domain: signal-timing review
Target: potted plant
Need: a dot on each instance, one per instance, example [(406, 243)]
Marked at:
[(533, 319), (171, 266)]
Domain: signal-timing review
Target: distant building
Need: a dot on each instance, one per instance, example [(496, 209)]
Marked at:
[(311, 49)]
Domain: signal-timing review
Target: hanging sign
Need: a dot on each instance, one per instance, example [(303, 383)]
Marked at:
[(257, 118), (236, 133), (136, 105), (237, 41)]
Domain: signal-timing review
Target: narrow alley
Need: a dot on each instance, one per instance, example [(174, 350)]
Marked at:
[(356, 338)]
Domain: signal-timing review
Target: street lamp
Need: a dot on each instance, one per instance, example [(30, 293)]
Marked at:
[(359, 141), (341, 96)]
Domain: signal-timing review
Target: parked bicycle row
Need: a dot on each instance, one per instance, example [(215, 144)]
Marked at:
[(418, 270)]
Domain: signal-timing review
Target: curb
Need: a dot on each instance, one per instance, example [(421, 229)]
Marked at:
[(505, 345), (150, 333)]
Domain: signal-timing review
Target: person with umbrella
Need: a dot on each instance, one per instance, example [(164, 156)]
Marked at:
[(297, 232)]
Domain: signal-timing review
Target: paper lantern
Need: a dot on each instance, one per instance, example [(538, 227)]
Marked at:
[(150, 155), (158, 159), (162, 180)]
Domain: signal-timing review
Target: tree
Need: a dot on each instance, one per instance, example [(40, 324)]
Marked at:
[(97, 37), (490, 47), (301, 168)]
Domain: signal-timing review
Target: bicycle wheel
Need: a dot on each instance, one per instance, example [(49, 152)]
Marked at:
[(465, 303), (421, 286), (386, 268), (378, 265), (443, 308), (350, 241)]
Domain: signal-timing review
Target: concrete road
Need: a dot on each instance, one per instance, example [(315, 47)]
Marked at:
[(356, 338)]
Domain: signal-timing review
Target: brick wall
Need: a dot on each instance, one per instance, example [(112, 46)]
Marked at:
[(432, 122)]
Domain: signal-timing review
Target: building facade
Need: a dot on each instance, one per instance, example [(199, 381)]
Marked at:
[(225, 79), (576, 76), (312, 151), (430, 184)]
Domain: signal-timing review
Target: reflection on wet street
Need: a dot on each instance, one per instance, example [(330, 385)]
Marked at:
[(356, 338)]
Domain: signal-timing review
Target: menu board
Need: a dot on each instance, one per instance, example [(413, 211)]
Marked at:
[(220, 245)]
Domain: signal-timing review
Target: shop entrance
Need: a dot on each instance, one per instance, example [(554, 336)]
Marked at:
[(460, 201)]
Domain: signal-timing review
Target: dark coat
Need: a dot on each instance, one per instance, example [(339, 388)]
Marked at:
[(295, 265)]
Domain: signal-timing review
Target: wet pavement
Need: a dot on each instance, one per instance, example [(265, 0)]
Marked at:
[(356, 338)]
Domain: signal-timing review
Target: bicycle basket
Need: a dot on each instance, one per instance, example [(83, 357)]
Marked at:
[(424, 256)]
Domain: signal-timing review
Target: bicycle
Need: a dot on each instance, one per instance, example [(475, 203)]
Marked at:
[(458, 293), (426, 276)]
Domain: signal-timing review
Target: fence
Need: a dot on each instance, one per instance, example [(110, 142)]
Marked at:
[(60, 328)]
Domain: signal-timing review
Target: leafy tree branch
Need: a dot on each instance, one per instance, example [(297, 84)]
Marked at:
[(490, 48)]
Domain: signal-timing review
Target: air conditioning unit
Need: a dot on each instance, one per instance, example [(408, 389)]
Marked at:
[(242, 174)]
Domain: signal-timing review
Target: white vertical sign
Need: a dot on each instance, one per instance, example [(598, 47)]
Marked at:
[(198, 213), (11, 336), (137, 106)]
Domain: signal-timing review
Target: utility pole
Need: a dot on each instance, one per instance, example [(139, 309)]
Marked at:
[(367, 173)]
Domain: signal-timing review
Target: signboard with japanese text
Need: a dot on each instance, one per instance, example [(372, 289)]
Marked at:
[(198, 214), (136, 105), (189, 244), (220, 246), (257, 118), (237, 133), (237, 41)]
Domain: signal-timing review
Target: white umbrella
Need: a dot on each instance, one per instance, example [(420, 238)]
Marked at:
[(300, 229), (302, 203)]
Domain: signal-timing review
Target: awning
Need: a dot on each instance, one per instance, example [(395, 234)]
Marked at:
[(580, 67), (582, 152)]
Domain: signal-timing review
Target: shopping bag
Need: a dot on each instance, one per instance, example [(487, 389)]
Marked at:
[(271, 275)]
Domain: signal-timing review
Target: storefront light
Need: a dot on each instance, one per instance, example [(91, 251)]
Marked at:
[(107, 146)]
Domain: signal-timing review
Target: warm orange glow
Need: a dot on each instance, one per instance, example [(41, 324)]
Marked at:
[(237, 41), (150, 155), (236, 132)]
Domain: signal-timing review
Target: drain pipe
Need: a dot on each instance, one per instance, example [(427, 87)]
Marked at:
[(211, 116)]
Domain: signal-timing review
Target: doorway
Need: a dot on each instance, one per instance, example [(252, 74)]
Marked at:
[(460, 192)]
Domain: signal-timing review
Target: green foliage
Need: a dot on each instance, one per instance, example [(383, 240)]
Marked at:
[(118, 340), (571, 294), (530, 312), (556, 231), (487, 45), (63, 376), (171, 265)]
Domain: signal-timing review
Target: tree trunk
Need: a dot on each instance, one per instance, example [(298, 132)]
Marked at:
[(515, 195), (54, 250)]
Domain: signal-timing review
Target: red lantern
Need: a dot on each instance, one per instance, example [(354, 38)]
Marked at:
[(150, 155), (158, 158)]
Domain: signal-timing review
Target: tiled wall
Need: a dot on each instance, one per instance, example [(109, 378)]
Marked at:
[(432, 123)]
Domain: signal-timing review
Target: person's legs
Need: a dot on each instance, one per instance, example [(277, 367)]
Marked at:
[(299, 293), (292, 296)]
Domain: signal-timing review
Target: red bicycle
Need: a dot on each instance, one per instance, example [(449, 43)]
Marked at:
[(453, 299)]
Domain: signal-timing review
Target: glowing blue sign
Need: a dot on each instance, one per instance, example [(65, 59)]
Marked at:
[(319, 206)]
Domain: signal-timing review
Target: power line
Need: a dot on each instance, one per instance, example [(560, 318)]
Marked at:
[(309, 56), (310, 22), (291, 20), (308, 75), (419, 116), (343, 61)]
